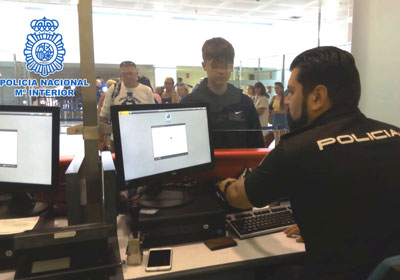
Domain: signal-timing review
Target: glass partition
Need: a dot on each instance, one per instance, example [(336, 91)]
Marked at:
[(12, 69), (266, 38)]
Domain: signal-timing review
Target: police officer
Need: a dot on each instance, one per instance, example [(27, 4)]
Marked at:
[(340, 169)]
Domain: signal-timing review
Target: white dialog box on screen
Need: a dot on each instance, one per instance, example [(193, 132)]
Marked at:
[(169, 141), (8, 148)]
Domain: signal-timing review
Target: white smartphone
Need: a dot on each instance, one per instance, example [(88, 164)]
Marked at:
[(159, 259)]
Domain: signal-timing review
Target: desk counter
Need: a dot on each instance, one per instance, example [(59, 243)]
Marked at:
[(194, 259)]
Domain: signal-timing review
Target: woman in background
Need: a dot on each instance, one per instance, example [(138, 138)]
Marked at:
[(250, 92), (279, 112), (182, 90), (157, 95), (261, 103)]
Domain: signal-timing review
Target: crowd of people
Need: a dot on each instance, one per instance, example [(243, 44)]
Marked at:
[(229, 128), (169, 93)]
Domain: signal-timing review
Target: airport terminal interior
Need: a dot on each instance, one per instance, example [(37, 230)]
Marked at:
[(89, 191)]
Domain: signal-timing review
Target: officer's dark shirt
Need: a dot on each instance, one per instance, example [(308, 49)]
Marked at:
[(345, 195), (231, 114)]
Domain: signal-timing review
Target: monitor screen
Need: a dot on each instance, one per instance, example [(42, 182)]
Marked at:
[(160, 140), (29, 148)]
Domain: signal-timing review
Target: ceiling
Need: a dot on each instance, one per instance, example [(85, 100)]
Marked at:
[(302, 10)]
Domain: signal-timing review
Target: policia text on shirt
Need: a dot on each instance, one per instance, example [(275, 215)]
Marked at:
[(351, 138)]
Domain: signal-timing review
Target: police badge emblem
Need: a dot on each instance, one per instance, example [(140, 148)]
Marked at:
[(44, 50)]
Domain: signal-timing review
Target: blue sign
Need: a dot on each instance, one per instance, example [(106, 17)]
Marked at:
[(44, 50)]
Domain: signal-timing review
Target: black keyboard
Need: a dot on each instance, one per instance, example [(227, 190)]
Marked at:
[(261, 221)]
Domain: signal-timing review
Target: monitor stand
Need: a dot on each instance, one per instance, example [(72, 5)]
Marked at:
[(156, 196)]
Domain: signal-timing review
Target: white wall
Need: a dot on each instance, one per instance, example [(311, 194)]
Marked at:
[(376, 46)]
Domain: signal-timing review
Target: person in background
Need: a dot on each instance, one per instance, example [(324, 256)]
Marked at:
[(233, 118), (103, 85), (145, 81), (182, 91), (109, 83), (129, 91), (169, 95), (262, 105), (250, 92), (180, 81), (198, 84), (157, 95), (278, 111), (99, 89)]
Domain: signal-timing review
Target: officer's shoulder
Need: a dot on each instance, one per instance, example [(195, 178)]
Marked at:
[(301, 140), (382, 125)]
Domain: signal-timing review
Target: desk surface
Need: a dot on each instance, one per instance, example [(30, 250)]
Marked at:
[(195, 256)]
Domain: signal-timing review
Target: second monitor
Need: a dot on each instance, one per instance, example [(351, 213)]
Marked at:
[(156, 142)]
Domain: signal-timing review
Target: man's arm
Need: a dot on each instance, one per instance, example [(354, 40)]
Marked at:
[(235, 193), (104, 113)]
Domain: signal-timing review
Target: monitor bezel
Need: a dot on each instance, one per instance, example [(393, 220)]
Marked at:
[(12, 187), (126, 184)]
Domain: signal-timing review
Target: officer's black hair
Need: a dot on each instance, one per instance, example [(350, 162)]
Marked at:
[(332, 67), (218, 49)]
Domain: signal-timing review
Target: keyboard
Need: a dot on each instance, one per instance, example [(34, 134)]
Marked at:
[(260, 221)]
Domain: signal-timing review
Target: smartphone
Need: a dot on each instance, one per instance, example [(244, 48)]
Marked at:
[(159, 259)]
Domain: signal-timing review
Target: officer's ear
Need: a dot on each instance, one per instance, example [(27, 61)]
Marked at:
[(319, 98)]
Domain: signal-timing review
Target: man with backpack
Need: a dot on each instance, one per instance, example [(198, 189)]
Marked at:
[(127, 92)]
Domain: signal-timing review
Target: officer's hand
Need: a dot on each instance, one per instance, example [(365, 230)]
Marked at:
[(294, 232), (221, 184)]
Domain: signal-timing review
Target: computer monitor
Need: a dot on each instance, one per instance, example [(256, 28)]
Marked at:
[(29, 149), (159, 141)]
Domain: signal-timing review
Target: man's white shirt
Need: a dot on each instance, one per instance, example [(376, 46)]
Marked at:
[(141, 95)]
